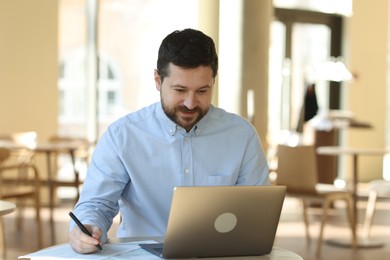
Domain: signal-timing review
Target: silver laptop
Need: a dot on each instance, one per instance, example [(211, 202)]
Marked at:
[(221, 221)]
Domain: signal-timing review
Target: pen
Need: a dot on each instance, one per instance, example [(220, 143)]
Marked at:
[(82, 227)]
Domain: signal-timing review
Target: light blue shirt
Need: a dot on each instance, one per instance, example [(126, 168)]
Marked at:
[(144, 155)]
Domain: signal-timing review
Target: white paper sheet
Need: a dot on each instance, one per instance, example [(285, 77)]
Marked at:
[(110, 251)]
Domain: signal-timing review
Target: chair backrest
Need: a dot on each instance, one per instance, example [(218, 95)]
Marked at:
[(61, 139), (28, 139), (83, 144), (4, 154), (24, 139), (297, 168)]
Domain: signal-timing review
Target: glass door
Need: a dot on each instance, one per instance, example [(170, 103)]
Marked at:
[(301, 41)]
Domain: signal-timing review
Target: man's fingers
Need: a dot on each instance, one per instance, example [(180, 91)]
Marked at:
[(83, 243)]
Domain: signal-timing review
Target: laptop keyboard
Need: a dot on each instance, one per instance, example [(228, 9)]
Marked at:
[(159, 249)]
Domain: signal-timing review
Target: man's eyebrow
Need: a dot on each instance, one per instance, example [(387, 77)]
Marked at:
[(178, 86), (181, 86)]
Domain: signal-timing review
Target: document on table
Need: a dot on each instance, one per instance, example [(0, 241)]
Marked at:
[(110, 251)]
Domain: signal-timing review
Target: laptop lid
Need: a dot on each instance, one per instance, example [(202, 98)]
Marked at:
[(222, 221)]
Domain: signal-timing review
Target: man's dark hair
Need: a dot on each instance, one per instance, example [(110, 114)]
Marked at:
[(188, 48)]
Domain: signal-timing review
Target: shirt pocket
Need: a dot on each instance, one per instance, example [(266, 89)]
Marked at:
[(222, 180)]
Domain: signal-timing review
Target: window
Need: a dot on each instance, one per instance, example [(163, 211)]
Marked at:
[(129, 34), (72, 87)]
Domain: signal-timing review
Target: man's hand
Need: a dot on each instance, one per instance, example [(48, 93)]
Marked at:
[(82, 243)]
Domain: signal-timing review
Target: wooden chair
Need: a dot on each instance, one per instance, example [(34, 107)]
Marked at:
[(377, 189), (24, 139), (22, 183), (80, 156), (297, 169)]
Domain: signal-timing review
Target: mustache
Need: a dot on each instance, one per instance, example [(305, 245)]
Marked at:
[(186, 109)]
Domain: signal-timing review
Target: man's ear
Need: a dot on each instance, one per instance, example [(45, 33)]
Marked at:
[(157, 80)]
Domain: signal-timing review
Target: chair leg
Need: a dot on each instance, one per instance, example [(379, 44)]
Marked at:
[(351, 219), (19, 218), (39, 228), (37, 201), (306, 219), (2, 239), (370, 210), (38, 220), (325, 208)]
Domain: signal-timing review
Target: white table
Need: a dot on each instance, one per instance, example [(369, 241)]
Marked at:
[(355, 152), (137, 254), (6, 207), (276, 254)]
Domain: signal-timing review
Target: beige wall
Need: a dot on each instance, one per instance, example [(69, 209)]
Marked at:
[(28, 66), (366, 97), (209, 24)]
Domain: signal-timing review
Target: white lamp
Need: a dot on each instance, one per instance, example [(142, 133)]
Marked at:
[(334, 69)]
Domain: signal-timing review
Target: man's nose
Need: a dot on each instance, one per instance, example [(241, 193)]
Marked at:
[(190, 101)]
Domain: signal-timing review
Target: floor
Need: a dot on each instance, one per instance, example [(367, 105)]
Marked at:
[(290, 234)]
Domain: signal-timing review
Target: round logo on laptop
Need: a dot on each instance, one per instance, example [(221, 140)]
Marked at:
[(225, 222)]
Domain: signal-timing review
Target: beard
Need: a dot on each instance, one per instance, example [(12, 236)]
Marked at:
[(187, 122)]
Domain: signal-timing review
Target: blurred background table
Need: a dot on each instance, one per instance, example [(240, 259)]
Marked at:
[(355, 152)]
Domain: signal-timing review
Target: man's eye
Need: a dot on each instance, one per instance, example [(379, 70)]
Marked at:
[(180, 90)]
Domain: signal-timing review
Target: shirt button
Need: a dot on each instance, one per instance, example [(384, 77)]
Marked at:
[(187, 171)]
